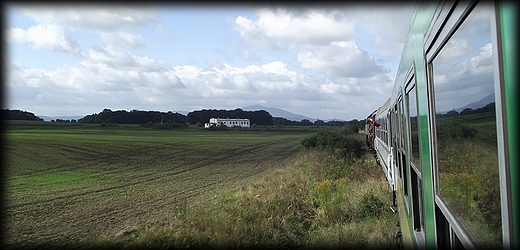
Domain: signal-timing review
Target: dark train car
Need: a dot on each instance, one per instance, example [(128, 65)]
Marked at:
[(369, 130)]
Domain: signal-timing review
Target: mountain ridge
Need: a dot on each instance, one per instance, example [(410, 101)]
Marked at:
[(277, 112), (480, 103)]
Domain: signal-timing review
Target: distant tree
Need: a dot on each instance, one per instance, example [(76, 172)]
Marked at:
[(284, 121), (466, 111), (305, 122), (336, 123), (319, 122), (488, 108), (452, 113), (133, 117), (260, 117), (16, 114)]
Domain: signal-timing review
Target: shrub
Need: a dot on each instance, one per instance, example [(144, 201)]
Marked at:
[(338, 142), (455, 130), (370, 206), (319, 200)]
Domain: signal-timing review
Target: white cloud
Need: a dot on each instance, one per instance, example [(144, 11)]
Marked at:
[(388, 22), (275, 25), (325, 39), (340, 59), (108, 71), (254, 35), (249, 55), (112, 56), (315, 27), (103, 17), (323, 42), (458, 47), (45, 36), (55, 25), (100, 82)]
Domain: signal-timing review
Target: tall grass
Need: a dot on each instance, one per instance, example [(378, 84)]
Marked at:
[(319, 200)]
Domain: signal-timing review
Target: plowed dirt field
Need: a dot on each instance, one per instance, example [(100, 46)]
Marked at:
[(70, 185)]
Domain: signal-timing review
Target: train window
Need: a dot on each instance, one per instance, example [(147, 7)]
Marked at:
[(466, 132), (385, 131), (401, 125), (414, 134), (394, 133), (403, 168), (388, 131)]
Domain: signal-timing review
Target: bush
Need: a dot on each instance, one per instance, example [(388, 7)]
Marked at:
[(338, 142), (455, 130), (370, 206), (219, 127)]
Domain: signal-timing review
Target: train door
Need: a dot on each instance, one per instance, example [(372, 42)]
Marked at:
[(393, 149), (390, 160), (465, 98)]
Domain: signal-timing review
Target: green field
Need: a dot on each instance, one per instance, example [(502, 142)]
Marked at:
[(88, 186), (73, 184), (469, 174)]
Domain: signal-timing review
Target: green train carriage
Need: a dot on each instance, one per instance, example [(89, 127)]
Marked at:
[(446, 137)]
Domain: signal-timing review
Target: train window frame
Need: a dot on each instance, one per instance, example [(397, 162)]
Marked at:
[(451, 15), (410, 85), (395, 135), (447, 21), (401, 151), (416, 189)]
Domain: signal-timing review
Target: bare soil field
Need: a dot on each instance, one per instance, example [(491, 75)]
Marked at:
[(69, 186)]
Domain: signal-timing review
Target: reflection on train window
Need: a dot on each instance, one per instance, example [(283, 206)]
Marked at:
[(414, 135), (466, 129)]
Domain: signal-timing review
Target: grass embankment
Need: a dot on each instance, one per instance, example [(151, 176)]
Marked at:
[(326, 198)]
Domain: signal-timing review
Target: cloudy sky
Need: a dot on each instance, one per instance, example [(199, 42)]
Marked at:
[(331, 61)]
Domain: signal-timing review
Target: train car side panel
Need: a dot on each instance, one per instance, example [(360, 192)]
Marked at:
[(416, 196), (382, 142), (448, 130), (508, 21)]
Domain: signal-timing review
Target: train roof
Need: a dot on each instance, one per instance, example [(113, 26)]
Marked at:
[(383, 109)]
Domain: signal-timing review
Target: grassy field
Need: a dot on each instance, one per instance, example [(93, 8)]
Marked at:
[(131, 187), (469, 174), (78, 183)]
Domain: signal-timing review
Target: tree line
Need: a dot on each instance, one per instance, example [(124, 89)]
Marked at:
[(259, 117), (305, 122), (16, 114), (107, 116), (169, 119), (489, 108)]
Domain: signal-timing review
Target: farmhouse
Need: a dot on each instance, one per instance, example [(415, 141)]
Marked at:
[(227, 122)]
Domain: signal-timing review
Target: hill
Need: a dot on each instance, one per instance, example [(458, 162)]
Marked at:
[(480, 103), (276, 112)]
